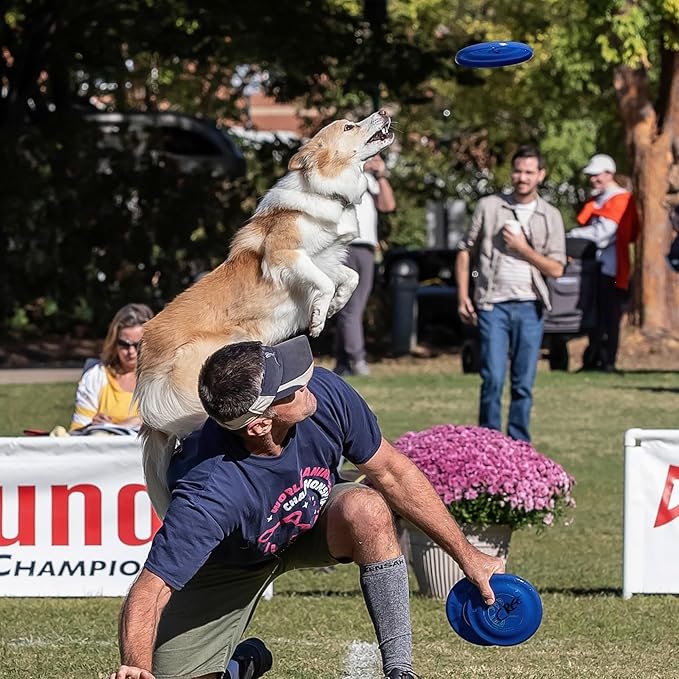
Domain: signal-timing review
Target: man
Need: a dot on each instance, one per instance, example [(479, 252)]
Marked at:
[(513, 242), (610, 220), (350, 340), (256, 492)]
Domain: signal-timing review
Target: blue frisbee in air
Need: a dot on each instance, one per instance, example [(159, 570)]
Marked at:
[(494, 54), (513, 618)]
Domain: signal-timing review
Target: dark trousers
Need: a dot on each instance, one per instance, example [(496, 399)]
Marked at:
[(604, 339), (349, 340)]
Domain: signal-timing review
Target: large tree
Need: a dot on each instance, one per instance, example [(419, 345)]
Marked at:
[(641, 42)]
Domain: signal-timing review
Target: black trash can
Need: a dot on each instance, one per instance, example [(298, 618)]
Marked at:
[(403, 283)]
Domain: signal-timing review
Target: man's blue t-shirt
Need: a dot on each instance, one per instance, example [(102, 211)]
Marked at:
[(244, 509)]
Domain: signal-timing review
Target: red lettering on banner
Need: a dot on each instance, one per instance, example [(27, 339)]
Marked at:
[(25, 518), (92, 512), (92, 499), (126, 515), (665, 513)]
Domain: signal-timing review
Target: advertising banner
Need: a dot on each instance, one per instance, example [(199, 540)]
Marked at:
[(75, 518), (651, 534)]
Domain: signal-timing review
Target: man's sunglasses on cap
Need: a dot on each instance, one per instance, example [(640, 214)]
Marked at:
[(288, 366)]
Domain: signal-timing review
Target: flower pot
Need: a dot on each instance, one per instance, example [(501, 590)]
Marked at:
[(435, 571)]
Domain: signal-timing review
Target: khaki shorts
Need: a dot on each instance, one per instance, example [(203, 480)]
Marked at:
[(202, 623)]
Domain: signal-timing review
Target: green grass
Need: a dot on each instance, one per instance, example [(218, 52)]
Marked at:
[(588, 629)]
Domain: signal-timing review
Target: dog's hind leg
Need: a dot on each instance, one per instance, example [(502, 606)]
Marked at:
[(346, 280)]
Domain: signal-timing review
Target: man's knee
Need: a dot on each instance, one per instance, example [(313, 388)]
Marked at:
[(362, 508)]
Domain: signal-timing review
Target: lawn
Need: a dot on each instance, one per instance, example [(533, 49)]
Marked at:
[(317, 620)]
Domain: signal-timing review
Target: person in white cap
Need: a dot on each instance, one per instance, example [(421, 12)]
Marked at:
[(256, 493), (610, 220)]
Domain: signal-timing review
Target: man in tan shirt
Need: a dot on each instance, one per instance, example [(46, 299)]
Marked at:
[(513, 242)]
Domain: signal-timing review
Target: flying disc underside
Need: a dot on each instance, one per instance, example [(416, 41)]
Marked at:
[(494, 54)]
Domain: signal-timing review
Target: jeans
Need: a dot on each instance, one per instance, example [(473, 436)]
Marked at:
[(514, 328)]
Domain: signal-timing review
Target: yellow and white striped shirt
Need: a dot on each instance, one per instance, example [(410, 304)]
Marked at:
[(99, 392)]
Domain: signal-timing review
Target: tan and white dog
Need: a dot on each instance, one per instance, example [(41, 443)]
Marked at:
[(284, 274)]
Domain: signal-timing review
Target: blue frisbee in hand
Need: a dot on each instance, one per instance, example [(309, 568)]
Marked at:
[(494, 54), (513, 618)]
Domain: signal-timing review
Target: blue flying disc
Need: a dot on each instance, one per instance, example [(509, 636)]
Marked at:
[(494, 54), (513, 618)]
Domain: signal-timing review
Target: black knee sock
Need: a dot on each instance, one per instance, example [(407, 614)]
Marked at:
[(386, 594)]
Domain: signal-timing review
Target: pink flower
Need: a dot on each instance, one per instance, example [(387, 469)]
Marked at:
[(486, 477)]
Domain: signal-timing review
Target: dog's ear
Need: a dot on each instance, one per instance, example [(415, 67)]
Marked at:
[(304, 158), (299, 161)]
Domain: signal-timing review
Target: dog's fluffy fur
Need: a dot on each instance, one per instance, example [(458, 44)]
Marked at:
[(284, 274)]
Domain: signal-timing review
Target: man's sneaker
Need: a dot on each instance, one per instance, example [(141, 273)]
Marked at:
[(361, 368), (253, 657), (401, 674), (342, 369)]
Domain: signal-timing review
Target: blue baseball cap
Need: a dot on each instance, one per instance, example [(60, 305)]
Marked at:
[(288, 366)]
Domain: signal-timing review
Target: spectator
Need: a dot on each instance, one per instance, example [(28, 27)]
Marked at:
[(513, 242), (349, 338), (104, 393), (610, 220), (673, 254), (255, 493)]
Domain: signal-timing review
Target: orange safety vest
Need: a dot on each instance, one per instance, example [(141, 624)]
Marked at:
[(623, 211)]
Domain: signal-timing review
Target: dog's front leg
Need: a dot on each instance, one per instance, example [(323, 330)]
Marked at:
[(346, 280), (317, 289)]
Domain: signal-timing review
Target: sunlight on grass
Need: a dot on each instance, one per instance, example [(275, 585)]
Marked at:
[(588, 630)]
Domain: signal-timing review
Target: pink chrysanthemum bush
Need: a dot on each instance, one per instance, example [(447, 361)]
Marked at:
[(485, 477)]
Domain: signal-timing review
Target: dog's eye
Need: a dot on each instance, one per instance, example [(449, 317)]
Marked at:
[(348, 127)]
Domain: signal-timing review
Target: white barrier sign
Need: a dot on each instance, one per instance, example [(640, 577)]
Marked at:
[(75, 518), (651, 537)]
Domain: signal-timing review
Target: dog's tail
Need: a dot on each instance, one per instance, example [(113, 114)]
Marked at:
[(157, 449)]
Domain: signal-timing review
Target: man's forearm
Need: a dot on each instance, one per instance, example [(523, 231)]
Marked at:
[(545, 265), (462, 274), (410, 494), (139, 620)]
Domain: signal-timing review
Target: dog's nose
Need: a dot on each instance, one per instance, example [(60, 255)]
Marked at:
[(383, 113)]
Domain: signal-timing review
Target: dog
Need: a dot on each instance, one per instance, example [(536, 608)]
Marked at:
[(284, 274)]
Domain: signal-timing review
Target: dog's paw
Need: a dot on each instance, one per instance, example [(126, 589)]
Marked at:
[(317, 323), (334, 308), (316, 329)]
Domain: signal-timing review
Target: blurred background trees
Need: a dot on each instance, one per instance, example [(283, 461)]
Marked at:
[(86, 228)]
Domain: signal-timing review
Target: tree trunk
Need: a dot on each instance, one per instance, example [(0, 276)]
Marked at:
[(649, 145)]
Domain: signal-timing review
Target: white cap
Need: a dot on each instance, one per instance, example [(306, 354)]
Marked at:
[(600, 163)]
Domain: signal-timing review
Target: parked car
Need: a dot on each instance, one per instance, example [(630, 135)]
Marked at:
[(193, 144), (424, 302)]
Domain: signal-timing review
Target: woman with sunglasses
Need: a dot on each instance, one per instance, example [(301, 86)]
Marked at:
[(104, 394)]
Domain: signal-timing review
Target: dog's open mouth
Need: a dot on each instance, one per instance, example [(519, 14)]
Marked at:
[(381, 134)]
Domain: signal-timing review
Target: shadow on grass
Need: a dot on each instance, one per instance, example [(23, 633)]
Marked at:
[(645, 371), (583, 591), (318, 592), (656, 390)]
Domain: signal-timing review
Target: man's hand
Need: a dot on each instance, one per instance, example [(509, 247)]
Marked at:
[(466, 310), (515, 241), (478, 567), (376, 166), (101, 418), (127, 672)]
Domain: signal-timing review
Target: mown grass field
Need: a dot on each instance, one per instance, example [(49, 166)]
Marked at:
[(316, 619)]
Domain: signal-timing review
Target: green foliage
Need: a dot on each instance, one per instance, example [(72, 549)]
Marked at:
[(87, 241), (487, 510)]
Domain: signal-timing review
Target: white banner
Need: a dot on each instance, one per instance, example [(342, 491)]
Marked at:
[(75, 518), (651, 535)]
